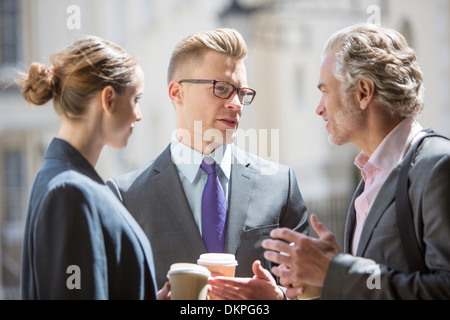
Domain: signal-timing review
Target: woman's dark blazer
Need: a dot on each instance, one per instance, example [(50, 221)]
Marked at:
[(80, 242)]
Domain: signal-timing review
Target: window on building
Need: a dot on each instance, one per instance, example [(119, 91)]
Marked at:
[(15, 187), (299, 85), (9, 32), (407, 31), (15, 195)]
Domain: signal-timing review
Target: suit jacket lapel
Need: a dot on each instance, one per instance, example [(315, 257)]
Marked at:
[(143, 239), (172, 197), (241, 191), (385, 197), (351, 219)]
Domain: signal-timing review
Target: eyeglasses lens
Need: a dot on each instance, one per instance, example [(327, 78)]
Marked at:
[(224, 90)]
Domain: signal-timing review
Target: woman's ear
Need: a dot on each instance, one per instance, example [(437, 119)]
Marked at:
[(108, 97), (175, 93), (365, 91)]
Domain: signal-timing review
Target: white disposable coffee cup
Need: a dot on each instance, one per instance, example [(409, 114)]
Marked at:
[(219, 264), (188, 281)]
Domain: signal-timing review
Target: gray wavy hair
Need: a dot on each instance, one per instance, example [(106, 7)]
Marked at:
[(382, 55)]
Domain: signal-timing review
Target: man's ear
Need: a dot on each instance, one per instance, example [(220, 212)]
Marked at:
[(108, 97), (365, 91), (176, 93)]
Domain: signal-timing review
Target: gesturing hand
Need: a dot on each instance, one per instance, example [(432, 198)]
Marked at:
[(305, 259), (262, 286)]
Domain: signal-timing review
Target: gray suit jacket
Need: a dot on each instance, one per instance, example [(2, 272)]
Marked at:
[(380, 270), (258, 203)]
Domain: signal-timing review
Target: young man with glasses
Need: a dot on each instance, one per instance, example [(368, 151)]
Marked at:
[(207, 84)]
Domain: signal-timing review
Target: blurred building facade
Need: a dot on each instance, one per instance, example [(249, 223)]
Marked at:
[(285, 39)]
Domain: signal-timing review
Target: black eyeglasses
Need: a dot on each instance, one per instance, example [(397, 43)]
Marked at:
[(224, 90)]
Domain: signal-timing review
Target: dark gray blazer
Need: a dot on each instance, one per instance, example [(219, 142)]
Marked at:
[(258, 203), (75, 220), (380, 270)]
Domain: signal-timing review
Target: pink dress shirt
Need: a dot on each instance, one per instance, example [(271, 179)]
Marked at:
[(376, 169)]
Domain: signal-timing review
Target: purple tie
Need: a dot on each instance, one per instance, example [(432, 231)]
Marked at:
[(214, 209)]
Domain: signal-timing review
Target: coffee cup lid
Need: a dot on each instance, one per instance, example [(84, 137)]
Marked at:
[(212, 259), (188, 268)]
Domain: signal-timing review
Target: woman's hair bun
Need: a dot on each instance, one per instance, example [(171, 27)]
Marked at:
[(38, 86), (78, 72)]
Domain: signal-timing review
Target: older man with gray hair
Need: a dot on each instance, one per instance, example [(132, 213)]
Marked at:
[(372, 90)]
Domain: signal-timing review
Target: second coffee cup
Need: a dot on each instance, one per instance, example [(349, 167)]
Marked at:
[(310, 292), (219, 264)]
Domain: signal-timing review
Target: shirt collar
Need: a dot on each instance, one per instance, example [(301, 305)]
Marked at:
[(62, 150), (188, 160), (393, 147)]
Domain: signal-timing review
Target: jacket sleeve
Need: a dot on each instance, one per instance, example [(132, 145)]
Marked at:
[(295, 215), (350, 277), (70, 257)]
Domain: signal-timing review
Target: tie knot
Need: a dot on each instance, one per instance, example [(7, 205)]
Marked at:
[(208, 165)]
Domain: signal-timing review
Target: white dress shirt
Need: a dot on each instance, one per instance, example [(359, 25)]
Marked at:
[(193, 178)]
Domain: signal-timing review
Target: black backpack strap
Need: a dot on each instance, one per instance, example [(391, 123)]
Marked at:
[(405, 221)]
